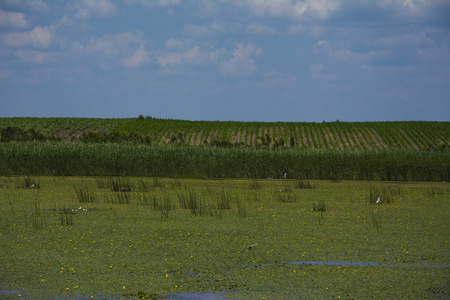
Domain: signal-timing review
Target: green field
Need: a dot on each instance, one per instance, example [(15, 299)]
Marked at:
[(406, 151), (66, 237), (357, 136)]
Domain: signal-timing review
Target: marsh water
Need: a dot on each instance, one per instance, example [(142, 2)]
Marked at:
[(367, 264), (221, 296)]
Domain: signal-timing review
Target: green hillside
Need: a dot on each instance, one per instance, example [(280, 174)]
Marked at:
[(422, 136)]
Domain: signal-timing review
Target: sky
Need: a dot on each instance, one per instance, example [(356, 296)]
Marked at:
[(226, 60)]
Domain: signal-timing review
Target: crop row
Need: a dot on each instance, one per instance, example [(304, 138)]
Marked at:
[(360, 136), (63, 127), (119, 159)]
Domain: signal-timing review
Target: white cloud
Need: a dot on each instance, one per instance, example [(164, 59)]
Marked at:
[(349, 56), (406, 39), (65, 21), (153, 3), (300, 29), (38, 6), (198, 30), (324, 48), (174, 44), (411, 11), (102, 48), (275, 79), (13, 19), (321, 46), (207, 8), (227, 27), (216, 28), (434, 54), (321, 9), (87, 9), (316, 71), (113, 45), (299, 10), (35, 57), (243, 61), (166, 59), (105, 47), (411, 6), (193, 56), (138, 59), (126, 49), (196, 56), (39, 37), (259, 29)]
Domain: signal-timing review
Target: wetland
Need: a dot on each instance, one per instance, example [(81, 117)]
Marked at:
[(157, 238)]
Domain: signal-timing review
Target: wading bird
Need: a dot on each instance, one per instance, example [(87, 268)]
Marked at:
[(249, 248)]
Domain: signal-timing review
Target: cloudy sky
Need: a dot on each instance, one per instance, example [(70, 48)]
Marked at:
[(243, 60)]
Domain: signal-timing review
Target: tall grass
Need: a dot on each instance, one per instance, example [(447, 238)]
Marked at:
[(379, 195), (165, 205), (124, 159), (34, 217), (241, 208), (121, 185), (66, 216), (224, 200), (319, 206), (30, 183), (85, 194), (301, 184)]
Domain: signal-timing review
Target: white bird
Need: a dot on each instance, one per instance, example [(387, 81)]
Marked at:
[(378, 200), (285, 174), (249, 248)]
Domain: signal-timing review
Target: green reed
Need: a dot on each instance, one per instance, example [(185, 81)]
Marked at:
[(127, 159)]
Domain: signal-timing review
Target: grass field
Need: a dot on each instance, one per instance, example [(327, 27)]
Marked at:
[(99, 237)]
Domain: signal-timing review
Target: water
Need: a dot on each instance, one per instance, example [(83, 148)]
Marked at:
[(220, 296), (334, 263), (9, 292), (366, 264), (197, 296)]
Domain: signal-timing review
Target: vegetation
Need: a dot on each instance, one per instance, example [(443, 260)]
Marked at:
[(120, 159), (355, 136), (141, 229), (74, 238), (147, 146)]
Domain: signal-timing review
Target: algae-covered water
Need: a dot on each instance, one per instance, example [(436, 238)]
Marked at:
[(112, 238)]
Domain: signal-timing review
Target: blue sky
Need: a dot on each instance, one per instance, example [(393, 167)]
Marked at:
[(242, 60)]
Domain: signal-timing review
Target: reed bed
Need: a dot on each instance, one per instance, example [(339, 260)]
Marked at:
[(127, 159)]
